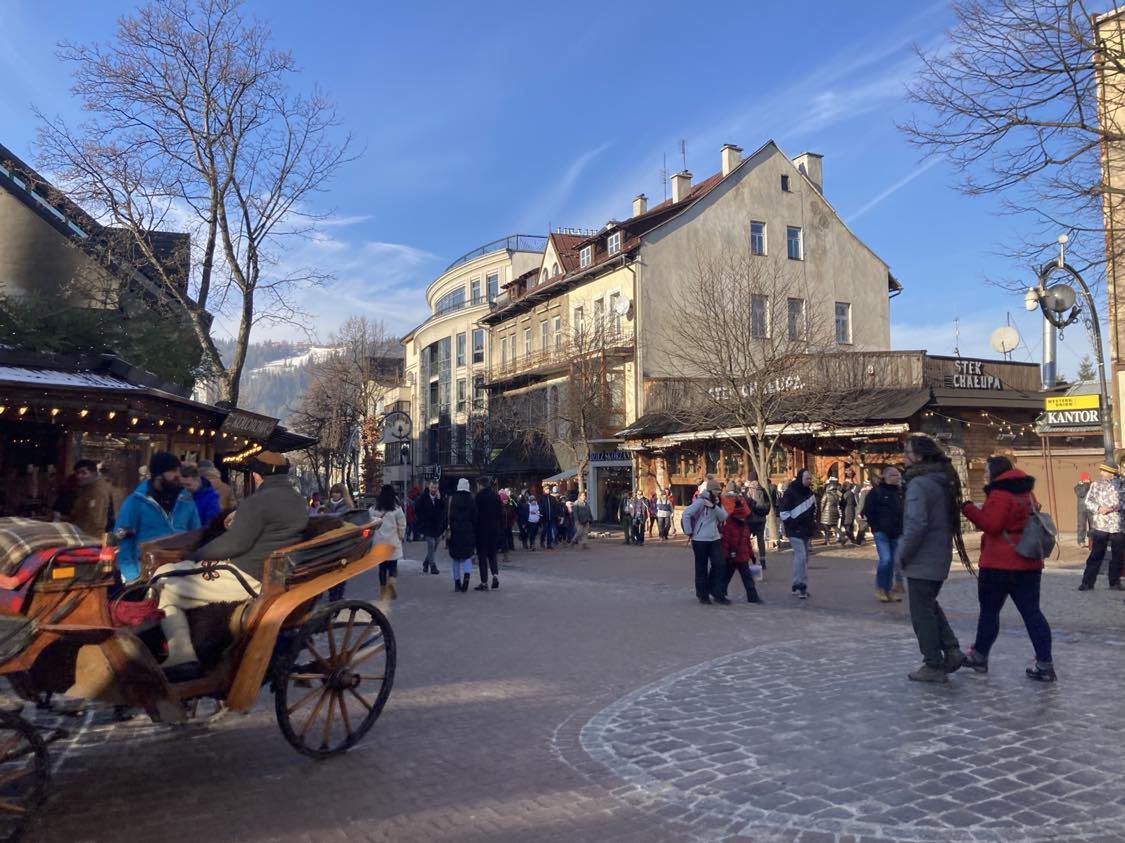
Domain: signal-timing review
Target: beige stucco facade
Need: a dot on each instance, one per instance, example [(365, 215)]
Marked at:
[(445, 393)]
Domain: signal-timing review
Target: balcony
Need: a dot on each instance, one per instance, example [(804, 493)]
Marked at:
[(512, 243), (617, 341)]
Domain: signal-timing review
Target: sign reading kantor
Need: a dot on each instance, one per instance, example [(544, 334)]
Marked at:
[(1073, 411)]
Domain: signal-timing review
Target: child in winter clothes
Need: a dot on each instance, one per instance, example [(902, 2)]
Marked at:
[(737, 548)]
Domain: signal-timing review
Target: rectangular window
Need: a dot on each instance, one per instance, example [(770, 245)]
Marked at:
[(796, 319), (558, 333), (585, 257), (614, 316), (544, 332), (613, 244), (527, 342), (757, 238), (478, 345), (795, 243), (514, 350), (474, 291), (462, 388), (843, 323), (759, 317), (579, 318), (503, 352), (785, 183), (460, 349), (492, 281), (479, 393)]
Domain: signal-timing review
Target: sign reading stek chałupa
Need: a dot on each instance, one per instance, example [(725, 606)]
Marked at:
[(1073, 411)]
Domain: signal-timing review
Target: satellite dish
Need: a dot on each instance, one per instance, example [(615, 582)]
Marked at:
[(1004, 340), (622, 307)]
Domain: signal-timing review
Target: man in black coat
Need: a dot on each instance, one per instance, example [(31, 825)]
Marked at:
[(490, 524), (883, 511), (549, 511), (429, 517)]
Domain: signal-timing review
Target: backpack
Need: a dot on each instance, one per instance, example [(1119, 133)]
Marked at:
[(1039, 535)]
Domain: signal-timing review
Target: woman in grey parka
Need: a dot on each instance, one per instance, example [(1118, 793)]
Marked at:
[(930, 515)]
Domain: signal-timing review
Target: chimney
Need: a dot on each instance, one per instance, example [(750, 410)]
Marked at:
[(811, 165), (731, 155), (681, 184), (640, 205)]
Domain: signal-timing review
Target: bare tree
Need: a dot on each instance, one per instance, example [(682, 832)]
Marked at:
[(1012, 102), (763, 363), (193, 126)]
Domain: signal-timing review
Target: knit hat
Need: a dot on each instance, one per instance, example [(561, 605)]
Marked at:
[(1084, 477), (162, 461), (463, 484)]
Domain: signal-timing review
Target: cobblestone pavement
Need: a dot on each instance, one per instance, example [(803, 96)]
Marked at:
[(591, 698)]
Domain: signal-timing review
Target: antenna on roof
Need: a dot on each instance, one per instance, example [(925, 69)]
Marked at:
[(664, 176), (956, 336), (683, 154)]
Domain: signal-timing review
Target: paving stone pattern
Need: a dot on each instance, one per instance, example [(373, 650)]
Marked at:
[(823, 740)]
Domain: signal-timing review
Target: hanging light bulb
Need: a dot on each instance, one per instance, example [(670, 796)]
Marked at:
[(2, 409), (191, 431), (160, 423), (23, 411), (133, 420), (83, 413), (111, 415), (54, 411)]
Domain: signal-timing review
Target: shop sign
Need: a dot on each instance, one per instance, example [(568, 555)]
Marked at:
[(970, 374), (789, 383), (249, 425), (431, 472), (1073, 411), (611, 456)]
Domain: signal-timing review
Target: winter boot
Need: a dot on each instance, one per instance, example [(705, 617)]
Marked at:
[(465, 583), (382, 592), (482, 587), (392, 587), (975, 661), (929, 674), (1042, 672), (954, 660), (425, 567), (495, 582)]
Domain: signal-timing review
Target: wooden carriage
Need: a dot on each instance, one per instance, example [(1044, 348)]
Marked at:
[(330, 664)]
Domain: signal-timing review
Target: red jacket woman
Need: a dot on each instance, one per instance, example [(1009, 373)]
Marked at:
[(1007, 504), (738, 551)]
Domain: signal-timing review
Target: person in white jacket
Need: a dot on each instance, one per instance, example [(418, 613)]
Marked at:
[(391, 531)]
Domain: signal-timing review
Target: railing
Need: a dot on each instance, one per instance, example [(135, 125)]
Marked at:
[(512, 243), (615, 339)]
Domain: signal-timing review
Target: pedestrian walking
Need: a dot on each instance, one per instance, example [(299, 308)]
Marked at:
[(1081, 489), (1105, 503), (508, 539), (1008, 504), (583, 518), (737, 550), (92, 502), (758, 500), (640, 516), (798, 519), (532, 522), (490, 520), (625, 516), (549, 511), (650, 515), (430, 516), (663, 515), (701, 523), (462, 534), (931, 513), (392, 531), (849, 499), (830, 510), (408, 510), (882, 510), (861, 501)]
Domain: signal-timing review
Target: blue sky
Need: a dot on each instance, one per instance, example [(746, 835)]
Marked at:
[(483, 119)]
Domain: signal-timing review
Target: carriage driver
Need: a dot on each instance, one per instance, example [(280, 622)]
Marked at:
[(275, 516)]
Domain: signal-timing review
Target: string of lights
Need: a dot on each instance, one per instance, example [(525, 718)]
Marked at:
[(127, 418), (990, 421)]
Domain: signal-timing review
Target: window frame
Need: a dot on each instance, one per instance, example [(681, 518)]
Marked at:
[(462, 394), (474, 292), (847, 322), (461, 345), (613, 243), (585, 256), (577, 319), (492, 286), (785, 183), (803, 329), (556, 326), (544, 336), (478, 358), (789, 229), (527, 341), (765, 327), (764, 249)]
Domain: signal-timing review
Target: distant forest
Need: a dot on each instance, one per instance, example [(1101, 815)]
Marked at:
[(277, 390)]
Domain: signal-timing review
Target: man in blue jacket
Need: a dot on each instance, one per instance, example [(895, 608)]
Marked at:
[(205, 495), (158, 507)]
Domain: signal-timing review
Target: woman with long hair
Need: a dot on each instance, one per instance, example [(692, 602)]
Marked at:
[(1008, 505), (391, 531)]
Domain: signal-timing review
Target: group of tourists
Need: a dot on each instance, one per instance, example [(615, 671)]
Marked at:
[(640, 514), (717, 525), (472, 526), (841, 511)]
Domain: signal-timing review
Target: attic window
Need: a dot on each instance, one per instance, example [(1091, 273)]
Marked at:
[(543, 278), (585, 256), (613, 244), (554, 270), (785, 184)]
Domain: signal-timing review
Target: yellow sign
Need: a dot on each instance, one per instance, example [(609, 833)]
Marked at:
[(1073, 402)]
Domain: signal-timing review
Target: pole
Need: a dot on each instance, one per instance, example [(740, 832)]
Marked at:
[(1050, 347), (1096, 331)]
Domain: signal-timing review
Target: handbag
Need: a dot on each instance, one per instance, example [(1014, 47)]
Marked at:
[(1039, 534)]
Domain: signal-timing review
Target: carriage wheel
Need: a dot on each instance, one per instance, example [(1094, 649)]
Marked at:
[(330, 689), (23, 775)]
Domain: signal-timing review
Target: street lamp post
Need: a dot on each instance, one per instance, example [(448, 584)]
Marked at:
[(1055, 301)]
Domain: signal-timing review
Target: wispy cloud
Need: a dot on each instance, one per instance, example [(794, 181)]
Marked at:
[(893, 189), (549, 203)]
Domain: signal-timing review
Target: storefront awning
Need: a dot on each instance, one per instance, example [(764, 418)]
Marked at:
[(991, 399), (562, 475)]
